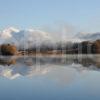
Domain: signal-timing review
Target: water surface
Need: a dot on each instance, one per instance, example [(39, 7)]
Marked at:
[(50, 78)]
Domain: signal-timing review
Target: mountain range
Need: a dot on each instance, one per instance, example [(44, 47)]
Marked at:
[(29, 38)]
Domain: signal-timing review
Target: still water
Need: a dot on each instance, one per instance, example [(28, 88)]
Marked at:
[(50, 78)]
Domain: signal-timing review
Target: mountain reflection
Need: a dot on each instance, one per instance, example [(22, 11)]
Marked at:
[(12, 67)]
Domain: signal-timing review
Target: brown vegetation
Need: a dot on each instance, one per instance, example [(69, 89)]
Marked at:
[(8, 49), (96, 47)]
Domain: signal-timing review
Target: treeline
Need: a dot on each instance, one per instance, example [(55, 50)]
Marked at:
[(85, 47)]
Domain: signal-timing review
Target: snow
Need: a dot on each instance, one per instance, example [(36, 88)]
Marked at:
[(24, 38), (31, 37), (88, 36)]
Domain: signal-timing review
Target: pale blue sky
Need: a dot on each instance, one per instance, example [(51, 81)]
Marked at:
[(83, 14)]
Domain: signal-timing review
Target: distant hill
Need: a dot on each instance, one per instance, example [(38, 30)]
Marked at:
[(24, 38), (88, 36)]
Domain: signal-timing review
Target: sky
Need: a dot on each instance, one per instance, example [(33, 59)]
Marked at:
[(84, 15)]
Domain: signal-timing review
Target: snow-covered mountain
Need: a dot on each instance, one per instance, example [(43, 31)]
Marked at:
[(88, 36), (30, 38), (24, 38)]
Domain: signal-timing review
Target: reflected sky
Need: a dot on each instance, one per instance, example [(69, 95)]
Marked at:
[(50, 78)]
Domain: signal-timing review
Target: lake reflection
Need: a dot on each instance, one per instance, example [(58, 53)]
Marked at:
[(50, 77)]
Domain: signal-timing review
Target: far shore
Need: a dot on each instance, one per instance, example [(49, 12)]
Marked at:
[(39, 54)]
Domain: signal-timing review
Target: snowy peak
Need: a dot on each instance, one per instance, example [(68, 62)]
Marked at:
[(7, 33), (22, 38), (88, 36), (11, 29), (30, 37)]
